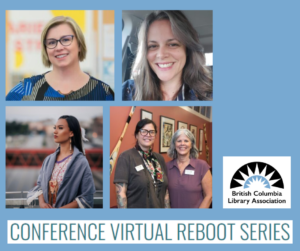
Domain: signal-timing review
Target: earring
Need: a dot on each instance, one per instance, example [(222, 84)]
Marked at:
[(70, 145)]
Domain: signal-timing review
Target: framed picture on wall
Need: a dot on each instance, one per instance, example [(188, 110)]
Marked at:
[(145, 114), (200, 140), (193, 129), (182, 125), (167, 127)]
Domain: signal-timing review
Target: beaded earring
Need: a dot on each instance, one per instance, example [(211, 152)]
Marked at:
[(70, 145)]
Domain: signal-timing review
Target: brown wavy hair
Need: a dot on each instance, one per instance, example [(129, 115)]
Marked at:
[(196, 75)]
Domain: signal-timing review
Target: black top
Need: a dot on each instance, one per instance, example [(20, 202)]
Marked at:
[(128, 90), (137, 180)]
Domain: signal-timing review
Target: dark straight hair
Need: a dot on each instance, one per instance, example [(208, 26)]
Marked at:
[(142, 123), (76, 129)]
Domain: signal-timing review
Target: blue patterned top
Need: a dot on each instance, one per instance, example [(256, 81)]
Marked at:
[(37, 88)]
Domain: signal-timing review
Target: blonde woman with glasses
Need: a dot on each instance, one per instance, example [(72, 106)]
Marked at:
[(63, 47)]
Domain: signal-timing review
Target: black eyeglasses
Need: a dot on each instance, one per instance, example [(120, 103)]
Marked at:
[(145, 132), (52, 43)]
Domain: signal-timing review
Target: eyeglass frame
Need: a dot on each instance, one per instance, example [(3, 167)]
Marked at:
[(58, 40), (147, 132)]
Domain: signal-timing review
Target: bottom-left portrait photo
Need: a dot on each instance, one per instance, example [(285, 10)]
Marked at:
[(54, 157)]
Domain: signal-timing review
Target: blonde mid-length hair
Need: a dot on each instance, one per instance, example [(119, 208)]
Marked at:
[(77, 31)]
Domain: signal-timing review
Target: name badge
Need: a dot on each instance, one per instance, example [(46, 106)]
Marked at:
[(139, 168), (189, 172)]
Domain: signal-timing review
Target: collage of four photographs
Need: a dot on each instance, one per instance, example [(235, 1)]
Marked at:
[(160, 156)]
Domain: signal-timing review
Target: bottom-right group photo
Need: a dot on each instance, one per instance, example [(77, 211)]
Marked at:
[(161, 157)]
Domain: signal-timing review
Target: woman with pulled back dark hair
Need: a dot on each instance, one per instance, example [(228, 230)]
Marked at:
[(140, 176), (65, 180), (76, 129)]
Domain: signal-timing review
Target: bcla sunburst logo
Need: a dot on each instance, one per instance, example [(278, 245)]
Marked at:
[(256, 182), (256, 175)]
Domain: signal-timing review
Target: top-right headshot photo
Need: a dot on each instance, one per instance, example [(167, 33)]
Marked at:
[(167, 55)]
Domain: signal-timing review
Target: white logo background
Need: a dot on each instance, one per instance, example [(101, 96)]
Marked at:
[(232, 164)]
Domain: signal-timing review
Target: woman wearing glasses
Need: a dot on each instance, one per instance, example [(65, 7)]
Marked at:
[(63, 48), (140, 176)]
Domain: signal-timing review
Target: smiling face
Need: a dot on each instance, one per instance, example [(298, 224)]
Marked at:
[(62, 56), (183, 145), (166, 55), (62, 132), (145, 142)]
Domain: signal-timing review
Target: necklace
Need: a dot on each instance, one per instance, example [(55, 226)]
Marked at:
[(53, 183), (61, 168)]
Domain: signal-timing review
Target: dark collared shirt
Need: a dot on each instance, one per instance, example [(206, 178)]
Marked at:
[(139, 195), (186, 190)]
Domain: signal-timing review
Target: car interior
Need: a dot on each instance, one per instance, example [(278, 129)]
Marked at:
[(132, 19)]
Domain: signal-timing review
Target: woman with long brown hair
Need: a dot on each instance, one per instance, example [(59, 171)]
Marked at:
[(170, 63)]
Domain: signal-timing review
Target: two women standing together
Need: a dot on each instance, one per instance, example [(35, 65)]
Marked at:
[(144, 180)]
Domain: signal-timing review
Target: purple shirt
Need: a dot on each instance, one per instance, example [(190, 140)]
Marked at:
[(186, 190)]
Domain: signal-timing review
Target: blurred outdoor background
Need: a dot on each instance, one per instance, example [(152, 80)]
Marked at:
[(29, 139), (23, 43)]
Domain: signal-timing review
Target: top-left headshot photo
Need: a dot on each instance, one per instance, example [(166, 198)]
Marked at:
[(56, 55)]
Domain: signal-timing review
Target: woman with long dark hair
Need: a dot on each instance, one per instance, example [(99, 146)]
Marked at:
[(140, 176), (170, 63), (65, 180)]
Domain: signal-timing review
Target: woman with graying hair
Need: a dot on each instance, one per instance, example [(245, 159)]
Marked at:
[(170, 62), (190, 180)]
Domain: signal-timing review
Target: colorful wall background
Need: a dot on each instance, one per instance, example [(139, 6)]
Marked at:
[(118, 117), (23, 45)]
